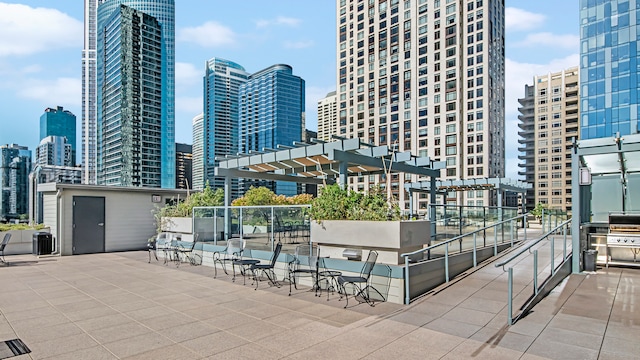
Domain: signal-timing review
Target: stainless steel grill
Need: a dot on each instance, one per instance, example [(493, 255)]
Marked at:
[(624, 229)]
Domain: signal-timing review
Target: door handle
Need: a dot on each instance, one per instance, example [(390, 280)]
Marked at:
[(100, 224)]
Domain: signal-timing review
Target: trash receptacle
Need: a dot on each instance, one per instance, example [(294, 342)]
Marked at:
[(42, 243), (589, 260)]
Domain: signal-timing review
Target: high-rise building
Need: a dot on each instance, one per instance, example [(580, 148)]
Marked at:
[(197, 150), (549, 124), (527, 141), (15, 165), (222, 81), (608, 54), (426, 77), (60, 122), (271, 114), (89, 92), (54, 150), (327, 116), (184, 160), (309, 134), (130, 99), (154, 36)]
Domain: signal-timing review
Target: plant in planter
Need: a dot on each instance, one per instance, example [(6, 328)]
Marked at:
[(335, 203), (538, 210), (184, 208)]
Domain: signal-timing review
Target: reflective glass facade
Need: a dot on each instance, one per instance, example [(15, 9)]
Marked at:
[(60, 122), (15, 166), (164, 12), (608, 67)]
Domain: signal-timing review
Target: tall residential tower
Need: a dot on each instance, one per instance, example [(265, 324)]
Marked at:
[(425, 76), (60, 122)]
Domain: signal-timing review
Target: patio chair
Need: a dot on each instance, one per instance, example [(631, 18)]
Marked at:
[(232, 252), (361, 286), (188, 254), (267, 269), (305, 263), (3, 245)]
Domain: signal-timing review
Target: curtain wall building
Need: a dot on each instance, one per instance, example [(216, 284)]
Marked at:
[(197, 151), (184, 161), (426, 77), (162, 43), (60, 122), (327, 117), (15, 165), (272, 113), (54, 150), (608, 68)]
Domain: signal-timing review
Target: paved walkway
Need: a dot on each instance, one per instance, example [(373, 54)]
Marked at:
[(109, 306)]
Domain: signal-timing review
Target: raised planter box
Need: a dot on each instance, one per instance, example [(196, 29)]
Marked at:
[(21, 241), (389, 238)]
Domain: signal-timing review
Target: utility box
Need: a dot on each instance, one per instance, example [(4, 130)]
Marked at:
[(42, 243)]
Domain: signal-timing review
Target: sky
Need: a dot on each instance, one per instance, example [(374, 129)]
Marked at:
[(41, 45)]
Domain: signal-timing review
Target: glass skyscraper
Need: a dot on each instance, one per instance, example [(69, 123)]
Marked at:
[(15, 165), (60, 122), (163, 12), (608, 67), (222, 81), (271, 113), (129, 100)]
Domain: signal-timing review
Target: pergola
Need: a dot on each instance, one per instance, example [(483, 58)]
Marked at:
[(321, 162)]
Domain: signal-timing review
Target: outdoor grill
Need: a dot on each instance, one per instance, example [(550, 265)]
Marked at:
[(624, 229)]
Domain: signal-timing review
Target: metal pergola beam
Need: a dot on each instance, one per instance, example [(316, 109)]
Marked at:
[(382, 163), (236, 173)]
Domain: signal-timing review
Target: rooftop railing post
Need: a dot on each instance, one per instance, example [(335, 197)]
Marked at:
[(407, 297), (535, 272), (495, 240), (564, 243), (272, 227), (525, 227), (446, 262), (460, 224), (510, 298), (484, 226), (475, 255), (240, 229), (553, 267), (215, 226), (511, 232)]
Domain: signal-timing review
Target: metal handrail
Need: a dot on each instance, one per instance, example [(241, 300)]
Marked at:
[(532, 244)]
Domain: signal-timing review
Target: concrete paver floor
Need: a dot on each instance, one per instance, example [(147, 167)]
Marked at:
[(109, 306)]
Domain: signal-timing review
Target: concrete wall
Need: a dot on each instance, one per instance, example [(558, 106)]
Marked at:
[(21, 241)]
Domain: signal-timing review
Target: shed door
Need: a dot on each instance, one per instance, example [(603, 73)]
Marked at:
[(88, 224)]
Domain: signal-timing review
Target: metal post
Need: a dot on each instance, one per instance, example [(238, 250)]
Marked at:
[(511, 232), (484, 226), (510, 299), (525, 227), (535, 272), (273, 237), (215, 226), (240, 229), (475, 255), (495, 240), (407, 297), (564, 244), (553, 267), (446, 261)]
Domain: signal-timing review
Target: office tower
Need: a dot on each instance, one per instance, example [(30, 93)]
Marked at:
[(527, 141), (60, 122), (183, 166), (271, 114), (54, 150), (129, 100), (197, 169), (222, 82), (425, 77), (309, 134), (608, 56), (15, 165), (159, 39), (327, 116), (89, 92), (549, 123)]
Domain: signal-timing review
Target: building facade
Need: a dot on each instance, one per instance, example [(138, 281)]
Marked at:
[(222, 81), (197, 150), (184, 159), (327, 116), (60, 122), (54, 150), (527, 143), (272, 108), (163, 11), (608, 75), (15, 165), (425, 77), (550, 123), (129, 100)]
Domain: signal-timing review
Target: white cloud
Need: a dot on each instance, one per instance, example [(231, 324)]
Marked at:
[(209, 34), (188, 76), (25, 30), (298, 44), (522, 20), (190, 105), (517, 75), (62, 91), (567, 41), (280, 20)]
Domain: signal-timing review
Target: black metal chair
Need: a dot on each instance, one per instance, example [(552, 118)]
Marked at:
[(361, 286), (3, 245), (231, 253), (187, 252), (267, 269), (305, 263)]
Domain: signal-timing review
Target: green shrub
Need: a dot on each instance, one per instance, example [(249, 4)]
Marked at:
[(335, 203), (9, 227)]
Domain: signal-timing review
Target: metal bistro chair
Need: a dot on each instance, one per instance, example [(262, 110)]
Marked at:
[(361, 286), (300, 266), (187, 252), (3, 245), (267, 269), (231, 253)]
